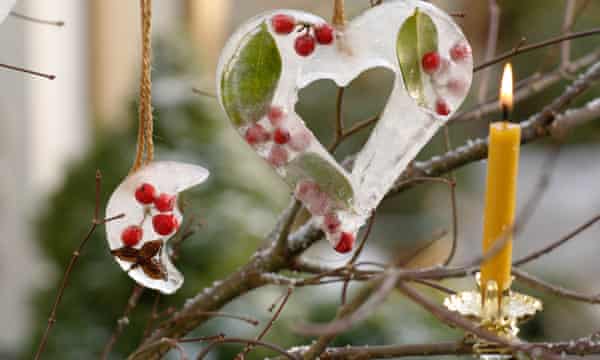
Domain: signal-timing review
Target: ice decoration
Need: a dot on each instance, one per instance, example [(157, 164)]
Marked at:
[(274, 55), (5, 7), (148, 200)]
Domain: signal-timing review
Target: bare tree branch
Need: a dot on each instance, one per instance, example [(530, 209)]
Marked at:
[(272, 258)]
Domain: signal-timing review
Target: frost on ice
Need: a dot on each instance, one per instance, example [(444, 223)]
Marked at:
[(148, 199), (274, 55)]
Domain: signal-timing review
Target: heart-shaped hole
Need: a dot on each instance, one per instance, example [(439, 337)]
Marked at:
[(362, 101)]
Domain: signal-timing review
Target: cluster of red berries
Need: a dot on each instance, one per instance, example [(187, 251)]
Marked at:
[(276, 131), (319, 203), (433, 63), (306, 43), (164, 223)]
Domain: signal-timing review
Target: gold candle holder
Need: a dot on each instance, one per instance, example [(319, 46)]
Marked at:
[(501, 313)]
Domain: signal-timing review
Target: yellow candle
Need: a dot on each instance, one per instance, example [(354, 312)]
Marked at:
[(500, 196)]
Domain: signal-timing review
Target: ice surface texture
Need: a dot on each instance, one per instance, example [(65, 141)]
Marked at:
[(261, 72), (166, 177)]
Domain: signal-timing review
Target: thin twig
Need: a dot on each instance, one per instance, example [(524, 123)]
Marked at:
[(204, 93), (27, 71), (492, 44), (20, 16), (259, 343), (339, 120), (568, 21), (535, 283), (123, 321), (269, 325), (358, 252), (452, 179), (537, 254), (436, 286), (535, 46), (153, 315), (96, 221), (526, 88)]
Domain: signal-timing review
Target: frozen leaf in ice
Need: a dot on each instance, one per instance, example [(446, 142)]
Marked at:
[(311, 166), (146, 260), (250, 77), (417, 36)]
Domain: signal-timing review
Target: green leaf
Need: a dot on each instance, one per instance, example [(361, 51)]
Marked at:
[(251, 76), (417, 36), (312, 166)]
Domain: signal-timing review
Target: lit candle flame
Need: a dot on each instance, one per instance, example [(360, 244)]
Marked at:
[(506, 90)]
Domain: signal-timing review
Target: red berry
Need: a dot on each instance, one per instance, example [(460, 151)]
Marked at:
[(460, 51), (145, 193), (278, 156), (276, 115), (165, 224), (165, 202), (331, 222), (345, 243), (283, 24), (457, 86), (281, 136), (324, 34), (132, 235), (300, 140), (444, 66), (431, 62), (318, 203), (442, 107), (256, 134), (305, 189), (305, 45)]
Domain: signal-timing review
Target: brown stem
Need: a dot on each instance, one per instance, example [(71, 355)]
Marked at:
[(357, 254), (20, 16), (269, 325), (452, 179), (339, 121), (260, 343), (490, 51), (132, 302), (560, 242), (27, 71), (204, 93), (538, 284), (96, 221), (539, 45)]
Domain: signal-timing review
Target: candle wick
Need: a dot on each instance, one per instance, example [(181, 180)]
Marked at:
[(505, 112)]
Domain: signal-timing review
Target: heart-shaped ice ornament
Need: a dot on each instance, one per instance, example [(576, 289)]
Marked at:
[(5, 7), (272, 56), (148, 201)]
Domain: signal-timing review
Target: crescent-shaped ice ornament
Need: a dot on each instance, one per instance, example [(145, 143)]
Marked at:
[(148, 200)]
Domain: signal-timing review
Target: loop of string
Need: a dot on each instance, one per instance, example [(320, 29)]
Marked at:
[(145, 143)]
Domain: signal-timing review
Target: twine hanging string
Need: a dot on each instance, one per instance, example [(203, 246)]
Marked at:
[(339, 14), (145, 143)]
